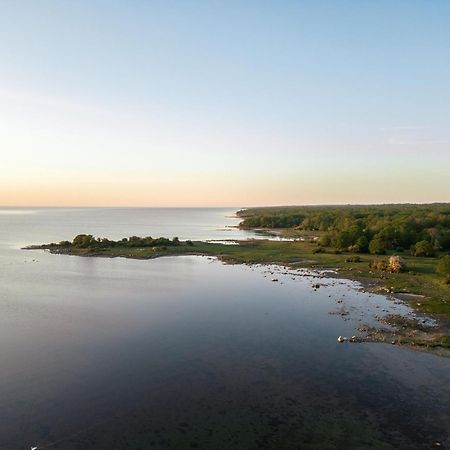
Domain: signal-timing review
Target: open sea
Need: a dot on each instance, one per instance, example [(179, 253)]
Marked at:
[(190, 353)]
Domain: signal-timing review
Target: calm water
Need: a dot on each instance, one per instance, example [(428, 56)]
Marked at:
[(186, 352)]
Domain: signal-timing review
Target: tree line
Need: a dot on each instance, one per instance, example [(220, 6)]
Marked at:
[(377, 229), (88, 241)]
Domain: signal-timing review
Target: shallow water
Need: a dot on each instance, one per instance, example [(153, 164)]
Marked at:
[(186, 352)]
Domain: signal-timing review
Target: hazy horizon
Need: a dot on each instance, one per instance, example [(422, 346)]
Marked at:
[(221, 104), (234, 207)]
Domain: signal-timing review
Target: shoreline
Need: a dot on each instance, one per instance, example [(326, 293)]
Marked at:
[(407, 332)]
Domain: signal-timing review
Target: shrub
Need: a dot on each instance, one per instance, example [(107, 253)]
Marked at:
[(379, 265), (351, 259), (396, 264)]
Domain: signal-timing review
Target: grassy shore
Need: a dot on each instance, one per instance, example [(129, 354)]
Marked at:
[(431, 294), (420, 277)]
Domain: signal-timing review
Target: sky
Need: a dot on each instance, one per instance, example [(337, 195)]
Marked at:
[(224, 103)]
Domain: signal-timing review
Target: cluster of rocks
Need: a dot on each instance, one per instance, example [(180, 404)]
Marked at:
[(352, 339)]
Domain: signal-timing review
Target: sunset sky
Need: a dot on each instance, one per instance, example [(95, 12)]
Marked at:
[(224, 103)]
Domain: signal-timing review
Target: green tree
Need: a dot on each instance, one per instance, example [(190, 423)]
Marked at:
[(84, 241), (343, 239), (377, 246), (443, 266), (363, 244), (423, 248)]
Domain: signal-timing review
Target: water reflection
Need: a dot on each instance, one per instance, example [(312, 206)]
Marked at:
[(187, 352)]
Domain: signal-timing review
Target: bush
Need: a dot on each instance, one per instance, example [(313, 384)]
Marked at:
[(379, 265), (351, 259), (396, 264)]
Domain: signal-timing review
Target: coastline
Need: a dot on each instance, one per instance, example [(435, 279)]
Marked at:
[(404, 331)]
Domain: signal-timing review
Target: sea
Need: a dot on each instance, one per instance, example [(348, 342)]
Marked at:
[(191, 353)]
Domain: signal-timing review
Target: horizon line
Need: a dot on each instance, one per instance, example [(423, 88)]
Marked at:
[(292, 205)]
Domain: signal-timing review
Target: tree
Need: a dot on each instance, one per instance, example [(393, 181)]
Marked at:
[(363, 244), (443, 266), (377, 247), (325, 240), (84, 241), (343, 239), (423, 248)]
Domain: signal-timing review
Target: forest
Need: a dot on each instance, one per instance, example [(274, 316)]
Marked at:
[(423, 230)]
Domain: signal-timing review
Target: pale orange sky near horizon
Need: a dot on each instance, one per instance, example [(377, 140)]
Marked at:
[(214, 191)]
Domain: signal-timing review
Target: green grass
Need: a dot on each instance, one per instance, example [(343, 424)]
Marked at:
[(435, 342)]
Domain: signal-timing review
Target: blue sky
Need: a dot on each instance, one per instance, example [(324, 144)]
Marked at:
[(224, 103)]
